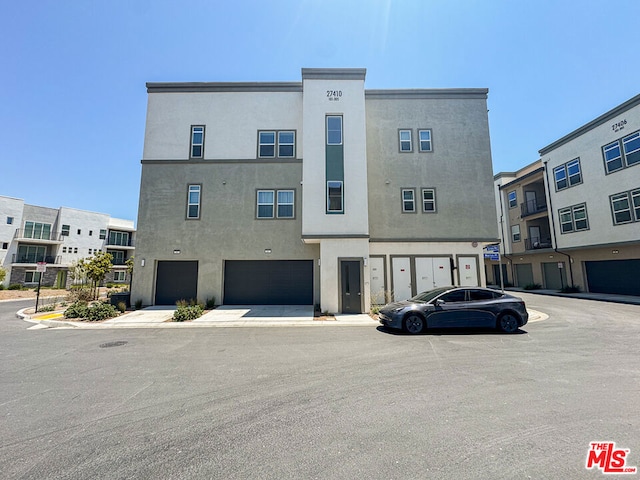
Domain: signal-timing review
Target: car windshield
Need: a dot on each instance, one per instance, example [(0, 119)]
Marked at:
[(428, 296)]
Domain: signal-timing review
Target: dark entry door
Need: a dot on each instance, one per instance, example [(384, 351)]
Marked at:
[(351, 291), (176, 281)]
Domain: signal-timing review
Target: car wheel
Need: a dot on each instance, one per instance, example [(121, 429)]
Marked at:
[(508, 323), (414, 323)]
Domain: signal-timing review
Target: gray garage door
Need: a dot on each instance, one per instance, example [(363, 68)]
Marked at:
[(176, 281), (268, 282), (614, 276)]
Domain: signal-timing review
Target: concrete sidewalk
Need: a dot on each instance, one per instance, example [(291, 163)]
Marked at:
[(600, 297)]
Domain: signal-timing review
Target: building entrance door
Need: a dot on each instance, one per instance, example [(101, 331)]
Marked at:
[(350, 285)]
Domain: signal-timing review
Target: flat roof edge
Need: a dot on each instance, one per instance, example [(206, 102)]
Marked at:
[(428, 93), (195, 87)]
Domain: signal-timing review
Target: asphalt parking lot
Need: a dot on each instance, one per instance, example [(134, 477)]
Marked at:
[(351, 402)]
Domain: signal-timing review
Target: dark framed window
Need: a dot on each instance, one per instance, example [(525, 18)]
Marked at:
[(287, 144), (193, 202), (408, 200), (65, 230), (573, 219), (103, 234), (265, 203), (335, 200), (276, 143), (334, 129), (428, 200), (568, 174), (285, 203), (267, 144), (625, 207), (623, 153), (515, 233), (31, 277), (513, 199), (9, 220), (37, 230), (5, 245), (424, 137), (197, 141), (404, 139)]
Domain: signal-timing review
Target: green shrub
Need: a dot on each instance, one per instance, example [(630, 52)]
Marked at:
[(187, 312), (80, 295), (101, 311), (1, 286), (210, 303), (570, 289), (15, 286), (77, 310), (122, 307), (533, 286), (47, 308), (138, 304)]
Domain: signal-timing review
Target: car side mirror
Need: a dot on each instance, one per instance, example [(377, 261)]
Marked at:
[(439, 302)]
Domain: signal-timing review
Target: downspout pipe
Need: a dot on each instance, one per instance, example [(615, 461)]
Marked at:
[(553, 224), (504, 242)]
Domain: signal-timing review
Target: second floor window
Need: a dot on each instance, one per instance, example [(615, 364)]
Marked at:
[(281, 144), (568, 175), (513, 199), (425, 140), (625, 207), (573, 219), (404, 137), (334, 197), (334, 130), (408, 200), (193, 202), (428, 200), (197, 141), (65, 230), (41, 231)]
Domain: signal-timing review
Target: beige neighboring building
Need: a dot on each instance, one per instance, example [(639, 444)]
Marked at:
[(573, 217)]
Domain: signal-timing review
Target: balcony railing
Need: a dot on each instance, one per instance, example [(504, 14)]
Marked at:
[(35, 258), (535, 243), (23, 234), (531, 207)]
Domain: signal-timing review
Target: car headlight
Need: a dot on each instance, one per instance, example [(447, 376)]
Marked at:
[(397, 310)]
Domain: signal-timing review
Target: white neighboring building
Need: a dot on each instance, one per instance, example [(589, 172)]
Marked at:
[(30, 234)]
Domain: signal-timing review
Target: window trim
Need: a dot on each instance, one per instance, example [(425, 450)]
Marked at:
[(326, 125), (117, 273), (620, 145), (412, 200), (571, 210), (65, 231), (341, 185), (280, 143), (420, 140), (564, 169), (514, 233), (261, 143), (293, 203), (515, 199), (400, 140), (198, 204), (277, 143), (435, 203), (192, 144), (103, 234), (272, 203), (628, 196), (10, 220)]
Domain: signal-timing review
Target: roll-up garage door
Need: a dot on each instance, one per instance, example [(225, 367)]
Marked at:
[(268, 282), (176, 281), (614, 276)]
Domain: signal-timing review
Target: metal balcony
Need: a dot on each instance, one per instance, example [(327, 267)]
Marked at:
[(35, 258), (30, 236), (535, 243), (531, 207)]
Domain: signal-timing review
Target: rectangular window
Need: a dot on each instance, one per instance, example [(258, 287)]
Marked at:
[(65, 230), (265, 203), (9, 220), (573, 219), (515, 233), (631, 146), (612, 157), (404, 137), (64, 249), (513, 199), (334, 130), (5, 245), (334, 197), (285, 204), (90, 233), (635, 200), (31, 254), (428, 200), (37, 230), (568, 174), (197, 141), (75, 250), (408, 201), (117, 257), (425, 140), (31, 277), (621, 208), (103, 234), (79, 231), (266, 144), (193, 203), (286, 144), (119, 276)]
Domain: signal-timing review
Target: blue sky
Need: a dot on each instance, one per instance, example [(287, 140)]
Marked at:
[(73, 97)]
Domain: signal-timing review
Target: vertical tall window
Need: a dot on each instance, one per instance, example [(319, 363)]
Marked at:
[(286, 144), (285, 204), (625, 207), (405, 140), (103, 234), (513, 199), (9, 220), (568, 174), (197, 141), (428, 200), (267, 144), (334, 197), (265, 203), (37, 230), (193, 201), (408, 200), (334, 130), (425, 140), (65, 230), (515, 233)]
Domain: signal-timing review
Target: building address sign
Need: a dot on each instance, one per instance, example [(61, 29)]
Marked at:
[(334, 95)]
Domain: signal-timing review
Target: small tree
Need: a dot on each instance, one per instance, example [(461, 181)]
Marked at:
[(78, 272), (3, 275), (97, 268), (129, 264)]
